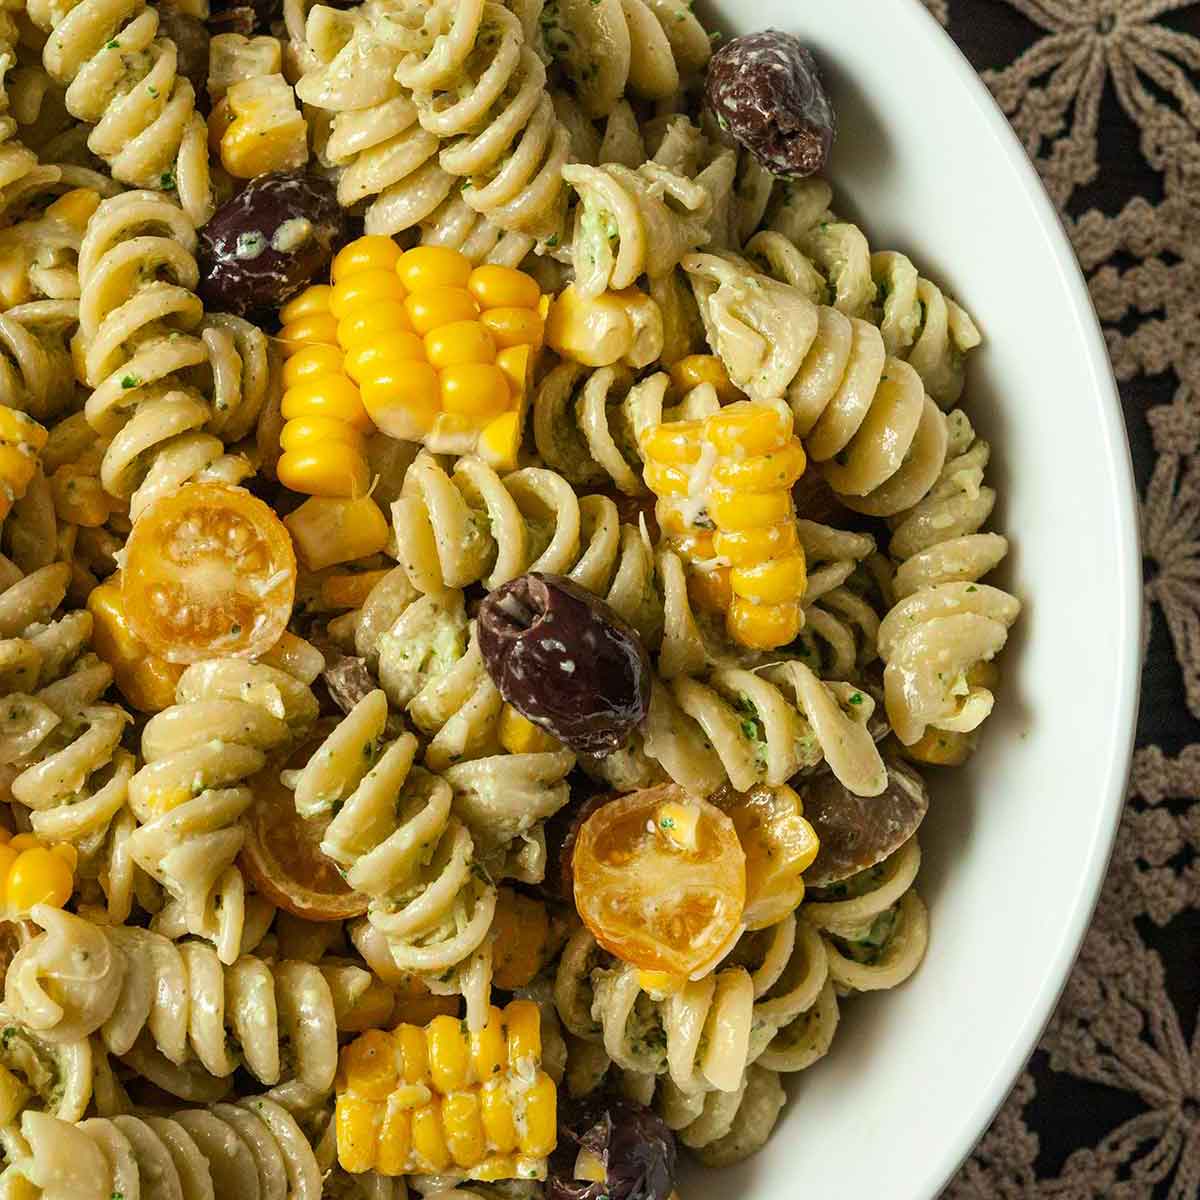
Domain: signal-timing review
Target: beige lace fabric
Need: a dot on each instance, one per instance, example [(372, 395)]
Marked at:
[(1105, 96)]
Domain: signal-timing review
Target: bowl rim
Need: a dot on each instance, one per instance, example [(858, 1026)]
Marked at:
[(1122, 729)]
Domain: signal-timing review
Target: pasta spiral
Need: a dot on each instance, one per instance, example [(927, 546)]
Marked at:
[(456, 225), (249, 1148), (810, 248), (173, 1011), (480, 90), (762, 727), (122, 78), (229, 715), (162, 373), (940, 639), (51, 1077), (36, 374)]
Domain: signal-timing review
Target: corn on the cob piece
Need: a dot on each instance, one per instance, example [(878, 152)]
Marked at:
[(34, 872), (265, 130), (437, 1100), (725, 504), (21, 441), (442, 352)]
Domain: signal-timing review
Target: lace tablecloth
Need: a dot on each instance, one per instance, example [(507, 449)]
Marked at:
[(1105, 95)]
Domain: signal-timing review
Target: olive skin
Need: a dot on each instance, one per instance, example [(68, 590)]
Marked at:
[(272, 239), (191, 48), (565, 661), (766, 92), (857, 832), (634, 1144)]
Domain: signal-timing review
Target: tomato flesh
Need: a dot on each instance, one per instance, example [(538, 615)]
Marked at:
[(660, 880), (209, 572)]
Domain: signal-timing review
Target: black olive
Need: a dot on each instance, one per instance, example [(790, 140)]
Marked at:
[(856, 832), (632, 1144), (191, 48), (766, 92), (561, 831), (274, 237), (564, 660)]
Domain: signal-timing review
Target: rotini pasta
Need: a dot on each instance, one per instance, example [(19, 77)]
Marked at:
[(162, 373), (229, 715)]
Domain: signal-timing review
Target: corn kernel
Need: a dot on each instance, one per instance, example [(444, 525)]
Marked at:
[(518, 735), (941, 747), (413, 1051), (431, 307), (371, 252), (590, 1167), (377, 321), (538, 1133), (517, 364), (332, 396), (474, 389), (764, 626), (145, 680), (762, 472), (488, 1050), (742, 510), (369, 287), (403, 399), (675, 444), (503, 287), (315, 328), (775, 581), (17, 467), (515, 326), (428, 1138), (268, 132), (426, 268), (368, 1065), (311, 302), (661, 983), (364, 362), (524, 1024), (357, 1126), (747, 428), (666, 481), (498, 1117), (20, 428), (395, 1140), (75, 207), (464, 1128), (310, 433), (39, 876), (311, 362), (459, 342), (694, 369), (709, 590), (500, 442), (449, 1062), (745, 547), (328, 530), (333, 471)]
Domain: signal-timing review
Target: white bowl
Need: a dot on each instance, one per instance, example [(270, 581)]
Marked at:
[(1015, 845)]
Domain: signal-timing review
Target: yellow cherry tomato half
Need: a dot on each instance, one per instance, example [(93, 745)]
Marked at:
[(660, 880), (209, 571)]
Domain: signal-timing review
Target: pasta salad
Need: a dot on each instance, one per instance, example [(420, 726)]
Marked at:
[(488, 558)]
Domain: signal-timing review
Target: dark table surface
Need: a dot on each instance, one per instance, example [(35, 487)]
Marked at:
[(1105, 95)]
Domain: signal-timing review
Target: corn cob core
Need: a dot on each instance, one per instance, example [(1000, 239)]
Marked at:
[(21, 441), (441, 351), (34, 872), (725, 505), (438, 1100)]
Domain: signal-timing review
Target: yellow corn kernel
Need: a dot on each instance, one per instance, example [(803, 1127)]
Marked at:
[(39, 876), (19, 428), (145, 680), (764, 626), (709, 589), (517, 364), (537, 1135), (268, 132), (403, 399), (219, 121), (776, 581), (459, 342), (661, 983), (368, 1065), (413, 1052), (315, 432), (521, 932), (515, 326), (675, 444), (365, 362), (762, 472), (695, 369), (376, 322), (590, 1167), (431, 307), (319, 328), (697, 545), (498, 1118), (329, 530), (518, 735), (475, 390), (748, 510), (500, 441), (679, 824), (79, 497), (349, 591), (464, 1128), (333, 396), (747, 427), (503, 287), (426, 268), (492, 1168), (357, 1126), (371, 252), (449, 1055), (941, 747), (666, 482), (596, 332), (488, 1049), (312, 362), (395, 1139), (331, 471), (524, 1024), (75, 208), (429, 1139), (363, 289), (745, 547)]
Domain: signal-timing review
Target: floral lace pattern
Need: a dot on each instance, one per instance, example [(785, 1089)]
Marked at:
[(1105, 96)]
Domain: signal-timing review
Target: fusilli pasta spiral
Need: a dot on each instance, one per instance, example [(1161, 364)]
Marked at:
[(229, 715)]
